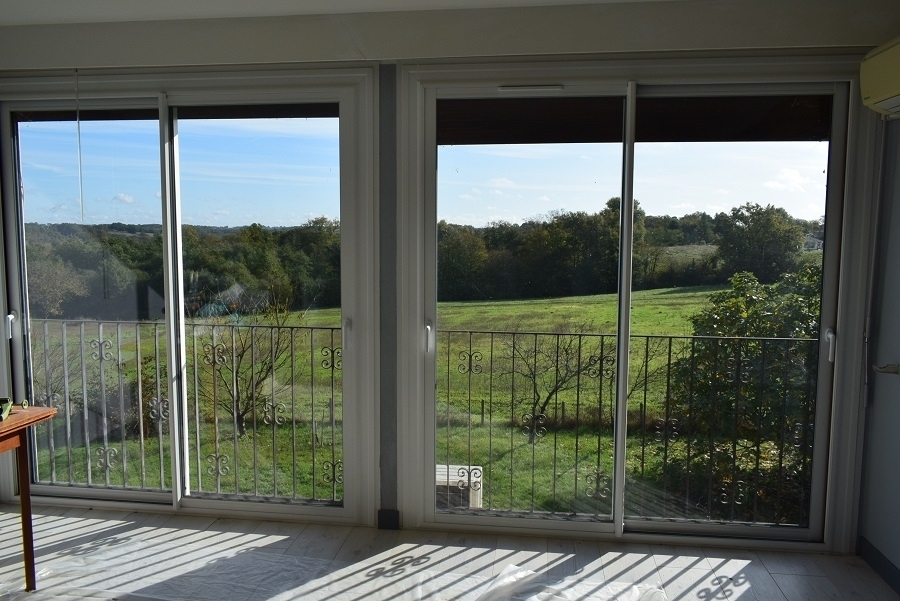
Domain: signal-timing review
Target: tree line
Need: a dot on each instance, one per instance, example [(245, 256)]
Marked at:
[(115, 271), (577, 253)]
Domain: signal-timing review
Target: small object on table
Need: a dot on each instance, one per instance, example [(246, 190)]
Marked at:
[(5, 407)]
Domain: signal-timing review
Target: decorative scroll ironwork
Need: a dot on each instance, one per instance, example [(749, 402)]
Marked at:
[(106, 457), (102, 349), (49, 400), (159, 409), (215, 354), (666, 429), (469, 478), (533, 426), (219, 464), (333, 472), (471, 362), (739, 497), (271, 413), (801, 434), (738, 369), (332, 358), (599, 486), (600, 366)]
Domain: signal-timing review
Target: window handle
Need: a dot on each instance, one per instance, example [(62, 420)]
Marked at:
[(831, 338), (345, 335), (429, 336), (10, 318)]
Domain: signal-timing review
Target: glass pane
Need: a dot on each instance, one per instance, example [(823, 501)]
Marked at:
[(725, 322), (527, 267), (95, 290), (260, 203)]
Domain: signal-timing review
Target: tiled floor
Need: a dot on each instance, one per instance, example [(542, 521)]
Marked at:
[(99, 554)]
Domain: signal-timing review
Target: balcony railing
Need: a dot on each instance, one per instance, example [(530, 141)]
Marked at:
[(264, 408), (719, 429)]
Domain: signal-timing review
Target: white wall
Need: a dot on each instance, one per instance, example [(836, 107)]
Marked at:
[(685, 25), (880, 496)]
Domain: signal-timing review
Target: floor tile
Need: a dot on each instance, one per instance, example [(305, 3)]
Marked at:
[(742, 575), (629, 563), (690, 584), (106, 555), (803, 587), (782, 562), (320, 541)]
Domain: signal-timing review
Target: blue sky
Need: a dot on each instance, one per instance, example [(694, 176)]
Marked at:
[(514, 183), (271, 171), (282, 172)]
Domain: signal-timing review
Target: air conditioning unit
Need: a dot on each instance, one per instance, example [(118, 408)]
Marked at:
[(879, 79)]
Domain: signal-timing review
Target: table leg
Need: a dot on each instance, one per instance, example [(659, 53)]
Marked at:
[(25, 500)]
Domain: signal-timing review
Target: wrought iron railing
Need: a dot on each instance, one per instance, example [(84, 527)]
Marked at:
[(719, 429), (264, 408)]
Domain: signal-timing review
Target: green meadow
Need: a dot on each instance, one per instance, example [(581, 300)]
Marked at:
[(563, 466)]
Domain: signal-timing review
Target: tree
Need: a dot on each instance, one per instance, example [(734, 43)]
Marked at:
[(696, 228), (245, 354), (552, 364), (462, 258), (744, 396), (765, 241)]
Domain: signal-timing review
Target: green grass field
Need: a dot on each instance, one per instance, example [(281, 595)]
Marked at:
[(664, 311), (565, 469)]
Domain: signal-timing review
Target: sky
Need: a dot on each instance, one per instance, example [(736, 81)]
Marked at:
[(284, 172)]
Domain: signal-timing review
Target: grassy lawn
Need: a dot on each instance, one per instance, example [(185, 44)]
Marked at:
[(483, 402), (662, 311)]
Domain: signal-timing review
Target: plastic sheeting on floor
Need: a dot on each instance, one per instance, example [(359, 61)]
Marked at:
[(518, 584), (124, 573)]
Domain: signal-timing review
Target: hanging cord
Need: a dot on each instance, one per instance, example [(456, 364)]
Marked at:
[(78, 135)]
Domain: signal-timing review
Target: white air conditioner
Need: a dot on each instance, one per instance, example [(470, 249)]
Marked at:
[(879, 79)]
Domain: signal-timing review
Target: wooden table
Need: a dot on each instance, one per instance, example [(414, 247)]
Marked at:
[(14, 435)]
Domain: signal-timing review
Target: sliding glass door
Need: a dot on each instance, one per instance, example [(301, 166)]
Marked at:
[(527, 280), (261, 213), (666, 350), (94, 265), (729, 310), (198, 297)]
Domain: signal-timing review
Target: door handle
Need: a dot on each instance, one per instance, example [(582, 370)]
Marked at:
[(831, 338), (429, 336), (345, 336)]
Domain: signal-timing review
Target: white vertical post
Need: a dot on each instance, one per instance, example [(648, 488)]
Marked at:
[(174, 291), (626, 231)]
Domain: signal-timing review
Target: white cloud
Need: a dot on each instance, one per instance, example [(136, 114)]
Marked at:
[(124, 198), (544, 198), (790, 180), (317, 127), (502, 182), (467, 197)]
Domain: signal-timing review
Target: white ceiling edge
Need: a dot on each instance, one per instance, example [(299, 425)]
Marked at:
[(49, 12)]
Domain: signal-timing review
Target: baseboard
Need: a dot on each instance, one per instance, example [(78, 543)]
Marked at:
[(388, 519), (881, 564)]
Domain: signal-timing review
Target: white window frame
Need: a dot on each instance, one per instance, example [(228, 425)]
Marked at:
[(422, 85), (354, 90)]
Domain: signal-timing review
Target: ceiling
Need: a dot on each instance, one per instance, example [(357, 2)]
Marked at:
[(42, 12)]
